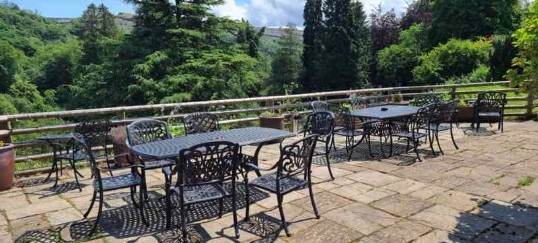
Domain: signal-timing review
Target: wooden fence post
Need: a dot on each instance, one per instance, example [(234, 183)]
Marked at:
[(530, 105), (453, 93), (5, 129)]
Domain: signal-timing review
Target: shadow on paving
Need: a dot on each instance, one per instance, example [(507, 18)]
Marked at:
[(493, 222), (124, 222), (361, 153)]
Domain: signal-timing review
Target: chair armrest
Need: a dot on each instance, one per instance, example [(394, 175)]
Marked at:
[(255, 167), (167, 171)]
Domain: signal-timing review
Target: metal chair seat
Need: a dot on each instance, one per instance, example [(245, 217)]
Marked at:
[(202, 193), (118, 182), (439, 127), (349, 133), (489, 114), (154, 164), (78, 156), (287, 184), (411, 135)]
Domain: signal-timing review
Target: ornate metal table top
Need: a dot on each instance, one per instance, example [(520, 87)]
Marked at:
[(385, 112), (166, 149)]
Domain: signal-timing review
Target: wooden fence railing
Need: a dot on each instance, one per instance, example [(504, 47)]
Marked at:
[(523, 107)]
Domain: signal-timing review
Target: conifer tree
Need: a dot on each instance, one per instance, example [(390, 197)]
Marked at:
[(312, 43)]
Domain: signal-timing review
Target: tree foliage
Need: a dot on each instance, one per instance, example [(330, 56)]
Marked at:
[(396, 62), (286, 64), (384, 29), (453, 59), (464, 19), (525, 66), (418, 12)]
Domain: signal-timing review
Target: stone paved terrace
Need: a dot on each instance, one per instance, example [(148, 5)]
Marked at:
[(470, 194)]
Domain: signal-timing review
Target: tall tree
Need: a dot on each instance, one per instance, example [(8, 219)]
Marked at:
[(342, 64), (466, 19), (96, 23), (385, 28), (286, 64), (418, 12), (312, 42), (107, 25)]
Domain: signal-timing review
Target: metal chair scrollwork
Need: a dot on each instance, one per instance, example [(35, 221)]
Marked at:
[(205, 172), (201, 122), (319, 106)]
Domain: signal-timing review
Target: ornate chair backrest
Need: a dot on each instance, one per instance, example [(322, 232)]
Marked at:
[(201, 122), (95, 132), (319, 123), (319, 106), (207, 163), (444, 112), (422, 118), (425, 99), (490, 102), (296, 158), (83, 141), (146, 130), (358, 102)]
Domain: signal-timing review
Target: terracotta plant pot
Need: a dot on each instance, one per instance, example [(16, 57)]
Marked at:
[(272, 122), (7, 166), (465, 114)]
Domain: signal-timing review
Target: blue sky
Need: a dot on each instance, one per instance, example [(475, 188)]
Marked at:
[(70, 8), (258, 12)]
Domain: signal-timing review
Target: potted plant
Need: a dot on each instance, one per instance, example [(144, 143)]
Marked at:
[(465, 111), (7, 165), (272, 120), (397, 99)]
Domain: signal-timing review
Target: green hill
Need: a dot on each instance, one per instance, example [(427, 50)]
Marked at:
[(27, 31)]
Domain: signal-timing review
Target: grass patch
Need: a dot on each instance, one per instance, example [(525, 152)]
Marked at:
[(497, 180), (526, 181)]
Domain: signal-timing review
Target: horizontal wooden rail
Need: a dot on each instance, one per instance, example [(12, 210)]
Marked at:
[(286, 104)]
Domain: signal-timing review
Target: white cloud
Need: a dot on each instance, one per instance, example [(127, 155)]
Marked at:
[(232, 10), (281, 12)]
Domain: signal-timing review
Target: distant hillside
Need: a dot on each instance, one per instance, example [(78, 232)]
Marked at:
[(276, 32), (123, 20), (26, 31)]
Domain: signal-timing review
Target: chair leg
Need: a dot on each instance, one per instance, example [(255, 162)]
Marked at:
[(76, 176), (327, 151), (94, 228), (391, 145), (452, 137), (141, 208), (370, 147), (416, 149), (61, 168), (183, 222), (221, 207), (431, 136), (91, 204), (247, 198), (407, 147), (312, 200), (133, 192), (283, 218), (234, 209), (168, 207), (438, 144), (56, 172)]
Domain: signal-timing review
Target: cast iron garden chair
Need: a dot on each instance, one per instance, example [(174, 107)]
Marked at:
[(490, 105), (205, 172), (293, 172), (101, 184), (145, 131), (321, 124)]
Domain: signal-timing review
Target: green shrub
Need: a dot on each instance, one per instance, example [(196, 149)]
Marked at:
[(396, 62), (456, 58), (479, 75)]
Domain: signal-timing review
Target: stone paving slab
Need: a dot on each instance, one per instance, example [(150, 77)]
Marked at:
[(470, 194)]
